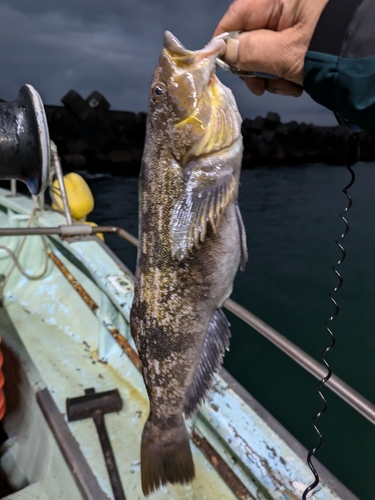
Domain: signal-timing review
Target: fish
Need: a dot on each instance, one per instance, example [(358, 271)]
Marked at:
[(191, 243)]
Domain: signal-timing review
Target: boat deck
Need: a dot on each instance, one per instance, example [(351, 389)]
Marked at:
[(53, 341)]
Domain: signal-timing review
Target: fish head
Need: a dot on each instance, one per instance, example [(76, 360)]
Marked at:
[(190, 110)]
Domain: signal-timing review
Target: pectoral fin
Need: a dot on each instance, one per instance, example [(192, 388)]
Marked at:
[(203, 203)]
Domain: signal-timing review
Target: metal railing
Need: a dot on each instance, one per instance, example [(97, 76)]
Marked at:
[(60, 179), (69, 231), (338, 386)]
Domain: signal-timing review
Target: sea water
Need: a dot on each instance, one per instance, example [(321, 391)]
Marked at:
[(292, 220)]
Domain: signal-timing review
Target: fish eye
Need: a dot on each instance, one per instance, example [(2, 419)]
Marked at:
[(159, 90)]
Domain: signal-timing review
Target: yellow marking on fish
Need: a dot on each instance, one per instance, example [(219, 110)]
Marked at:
[(212, 141), (192, 121), (181, 61), (223, 127)]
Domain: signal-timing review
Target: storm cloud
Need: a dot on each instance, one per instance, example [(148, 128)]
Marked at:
[(113, 46)]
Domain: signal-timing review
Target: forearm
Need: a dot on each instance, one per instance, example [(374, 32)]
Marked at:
[(339, 70)]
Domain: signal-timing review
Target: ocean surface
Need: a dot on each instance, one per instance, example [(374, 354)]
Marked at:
[(292, 220)]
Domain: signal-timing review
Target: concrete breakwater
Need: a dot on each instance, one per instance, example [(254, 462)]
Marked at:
[(90, 136)]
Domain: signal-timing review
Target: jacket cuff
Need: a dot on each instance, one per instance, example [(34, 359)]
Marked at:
[(343, 85)]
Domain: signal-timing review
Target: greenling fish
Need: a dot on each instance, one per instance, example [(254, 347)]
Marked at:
[(192, 240)]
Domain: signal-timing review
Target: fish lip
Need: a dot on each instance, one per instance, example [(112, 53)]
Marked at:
[(174, 45), (215, 48)]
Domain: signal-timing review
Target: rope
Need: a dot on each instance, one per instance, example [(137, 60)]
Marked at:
[(16, 255)]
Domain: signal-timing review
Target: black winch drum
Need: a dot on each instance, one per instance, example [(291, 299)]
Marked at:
[(24, 140)]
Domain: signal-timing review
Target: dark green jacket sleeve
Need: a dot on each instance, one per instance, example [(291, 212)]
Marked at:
[(340, 62)]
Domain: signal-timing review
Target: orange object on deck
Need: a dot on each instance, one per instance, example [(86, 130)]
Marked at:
[(2, 397)]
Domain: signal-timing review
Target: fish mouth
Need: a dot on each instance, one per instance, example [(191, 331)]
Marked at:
[(215, 48), (213, 121), (188, 59)]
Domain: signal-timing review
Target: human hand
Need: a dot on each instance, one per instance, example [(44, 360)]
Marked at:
[(276, 37)]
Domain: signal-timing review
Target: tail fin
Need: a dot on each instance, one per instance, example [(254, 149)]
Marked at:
[(165, 457)]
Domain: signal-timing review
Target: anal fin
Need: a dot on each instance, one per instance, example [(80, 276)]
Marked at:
[(214, 346)]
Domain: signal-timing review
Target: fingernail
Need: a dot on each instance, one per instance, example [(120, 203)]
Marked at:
[(231, 54)]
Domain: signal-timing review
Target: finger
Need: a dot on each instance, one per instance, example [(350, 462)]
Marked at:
[(248, 15), (256, 85), (278, 53), (283, 87), (280, 86)]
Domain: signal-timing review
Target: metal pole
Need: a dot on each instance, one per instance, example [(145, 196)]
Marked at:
[(41, 201), (13, 187), (60, 178), (73, 230), (338, 386), (120, 232)]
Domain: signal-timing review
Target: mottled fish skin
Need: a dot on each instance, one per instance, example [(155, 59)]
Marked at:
[(191, 243)]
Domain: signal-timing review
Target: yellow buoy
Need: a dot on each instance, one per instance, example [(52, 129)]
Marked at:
[(80, 198)]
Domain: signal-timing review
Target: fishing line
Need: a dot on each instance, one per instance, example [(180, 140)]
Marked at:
[(352, 158)]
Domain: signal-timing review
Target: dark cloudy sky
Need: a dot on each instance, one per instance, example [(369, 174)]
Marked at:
[(113, 46)]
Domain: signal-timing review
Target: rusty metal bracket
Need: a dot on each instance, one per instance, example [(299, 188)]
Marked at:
[(120, 339), (223, 469)]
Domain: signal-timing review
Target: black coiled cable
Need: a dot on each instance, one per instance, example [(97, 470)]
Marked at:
[(353, 157)]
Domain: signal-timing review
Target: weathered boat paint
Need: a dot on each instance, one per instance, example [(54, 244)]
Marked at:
[(56, 338)]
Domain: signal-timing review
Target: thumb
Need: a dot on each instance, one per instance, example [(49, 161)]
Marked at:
[(280, 53)]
